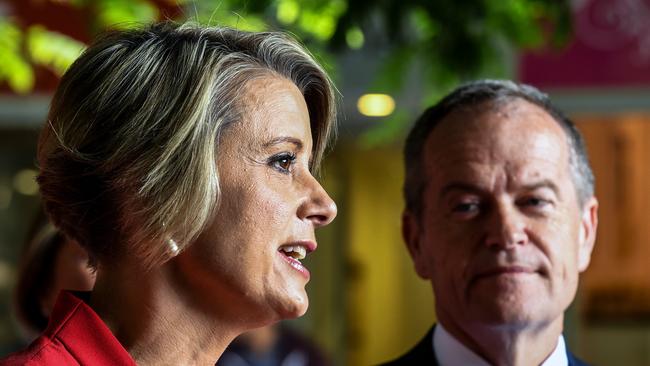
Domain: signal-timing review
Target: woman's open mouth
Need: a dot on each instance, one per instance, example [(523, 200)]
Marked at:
[(294, 253)]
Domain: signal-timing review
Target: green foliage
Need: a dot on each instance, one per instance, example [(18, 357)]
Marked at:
[(288, 11), (354, 38), (227, 13), (15, 70), (52, 49), (319, 18), (446, 41), (23, 48), (122, 14)]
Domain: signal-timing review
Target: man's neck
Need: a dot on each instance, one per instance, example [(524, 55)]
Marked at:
[(512, 346)]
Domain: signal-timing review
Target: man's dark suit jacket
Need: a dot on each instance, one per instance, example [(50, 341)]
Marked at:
[(422, 354)]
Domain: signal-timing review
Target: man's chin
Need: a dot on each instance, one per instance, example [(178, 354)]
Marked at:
[(509, 298), (509, 315)]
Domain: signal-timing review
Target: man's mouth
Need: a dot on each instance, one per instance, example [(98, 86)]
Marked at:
[(504, 271)]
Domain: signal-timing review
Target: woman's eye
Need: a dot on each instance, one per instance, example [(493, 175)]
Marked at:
[(283, 162)]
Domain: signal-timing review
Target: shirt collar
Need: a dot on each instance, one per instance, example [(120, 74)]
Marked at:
[(449, 351), (75, 325)]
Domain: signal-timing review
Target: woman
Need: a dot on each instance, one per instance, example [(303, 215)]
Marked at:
[(181, 158)]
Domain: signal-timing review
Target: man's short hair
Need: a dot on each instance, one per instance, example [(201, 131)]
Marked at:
[(488, 94)]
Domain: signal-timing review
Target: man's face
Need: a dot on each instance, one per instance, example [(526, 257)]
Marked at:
[(501, 235)]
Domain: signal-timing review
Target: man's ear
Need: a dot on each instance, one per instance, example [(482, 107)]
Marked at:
[(588, 228), (411, 234)]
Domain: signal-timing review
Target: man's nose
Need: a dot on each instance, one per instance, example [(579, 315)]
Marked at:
[(506, 228)]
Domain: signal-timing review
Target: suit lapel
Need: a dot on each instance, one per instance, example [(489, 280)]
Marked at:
[(421, 354), (573, 361)]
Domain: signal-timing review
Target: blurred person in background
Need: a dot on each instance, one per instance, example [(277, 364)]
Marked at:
[(273, 345), (48, 264), (182, 158), (501, 217)]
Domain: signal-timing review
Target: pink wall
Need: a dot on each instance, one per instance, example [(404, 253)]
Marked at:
[(610, 48)]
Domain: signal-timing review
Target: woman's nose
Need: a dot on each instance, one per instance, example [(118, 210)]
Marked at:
[(318, 208)]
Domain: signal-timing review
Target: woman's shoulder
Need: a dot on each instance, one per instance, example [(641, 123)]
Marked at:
[(75, 336), (43, 351)]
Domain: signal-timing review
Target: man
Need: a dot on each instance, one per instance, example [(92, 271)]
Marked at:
[(501, 218)]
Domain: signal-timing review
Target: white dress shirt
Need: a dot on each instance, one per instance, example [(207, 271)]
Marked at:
[(450, 352)]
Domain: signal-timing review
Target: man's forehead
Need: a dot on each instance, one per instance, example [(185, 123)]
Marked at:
[(483, 122), (513, 134)]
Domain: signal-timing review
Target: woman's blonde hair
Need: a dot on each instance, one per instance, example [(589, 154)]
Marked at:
[(128, 156)]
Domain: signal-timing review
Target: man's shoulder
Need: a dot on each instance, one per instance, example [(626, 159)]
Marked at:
[(421, 354)]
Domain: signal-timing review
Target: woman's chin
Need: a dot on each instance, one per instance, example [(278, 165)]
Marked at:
[(295, 307)]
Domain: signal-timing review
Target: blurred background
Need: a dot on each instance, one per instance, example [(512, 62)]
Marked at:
[(389, 59)]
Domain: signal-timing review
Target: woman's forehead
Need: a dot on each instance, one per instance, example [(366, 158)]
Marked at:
[(274, 109)]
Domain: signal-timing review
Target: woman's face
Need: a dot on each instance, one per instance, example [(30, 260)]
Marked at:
[(246, 263)]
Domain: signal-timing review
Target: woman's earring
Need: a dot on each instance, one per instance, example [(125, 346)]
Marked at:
[(173, 246)]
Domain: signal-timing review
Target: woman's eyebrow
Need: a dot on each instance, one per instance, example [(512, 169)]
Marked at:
[(284, 139)]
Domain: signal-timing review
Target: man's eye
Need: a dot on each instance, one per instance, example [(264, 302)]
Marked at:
[(466, 207), (535, 202), (282, 162)]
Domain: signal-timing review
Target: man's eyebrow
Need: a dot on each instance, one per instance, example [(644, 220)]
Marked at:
[(459, 186), (545, 183), (468, 187), (282, 140)]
